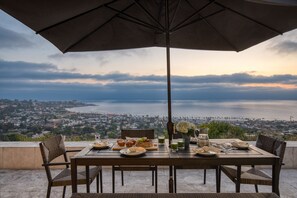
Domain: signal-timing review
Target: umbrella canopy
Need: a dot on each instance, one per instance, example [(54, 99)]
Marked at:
[(95, 25), (74, 25)]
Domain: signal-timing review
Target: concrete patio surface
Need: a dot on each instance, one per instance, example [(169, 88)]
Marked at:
[(33, 183)]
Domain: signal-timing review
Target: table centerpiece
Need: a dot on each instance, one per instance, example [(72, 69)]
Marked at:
[(186, 129)]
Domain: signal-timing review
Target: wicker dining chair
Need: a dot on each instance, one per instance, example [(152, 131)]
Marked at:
[(136, 133), (252, 175), (53, 148)]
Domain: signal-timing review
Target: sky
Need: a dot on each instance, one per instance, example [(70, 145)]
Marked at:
[(32, 68)]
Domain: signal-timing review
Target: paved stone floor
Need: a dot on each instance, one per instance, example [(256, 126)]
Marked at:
[(33, 183)]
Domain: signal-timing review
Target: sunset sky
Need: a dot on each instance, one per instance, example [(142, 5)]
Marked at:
[(32, 68)]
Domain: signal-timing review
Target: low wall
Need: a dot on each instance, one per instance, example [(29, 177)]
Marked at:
[(26, 155)]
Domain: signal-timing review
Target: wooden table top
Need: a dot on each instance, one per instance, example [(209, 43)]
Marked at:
[(163, 156)]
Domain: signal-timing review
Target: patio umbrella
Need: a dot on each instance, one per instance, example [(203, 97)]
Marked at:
[(97, 25)]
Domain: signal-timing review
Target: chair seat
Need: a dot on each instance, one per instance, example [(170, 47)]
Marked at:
[(249, 175), (64, 177)]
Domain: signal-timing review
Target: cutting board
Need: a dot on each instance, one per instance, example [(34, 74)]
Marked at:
[(116, 147)]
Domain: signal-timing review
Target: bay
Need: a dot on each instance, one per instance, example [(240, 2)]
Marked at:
[(253, 109)]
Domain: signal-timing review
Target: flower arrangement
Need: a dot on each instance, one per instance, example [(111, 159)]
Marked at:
[(186, 128)]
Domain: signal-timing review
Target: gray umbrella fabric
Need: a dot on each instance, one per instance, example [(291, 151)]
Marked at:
[(97, 25)]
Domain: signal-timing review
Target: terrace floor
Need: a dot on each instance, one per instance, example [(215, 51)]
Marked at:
[(33, 183)]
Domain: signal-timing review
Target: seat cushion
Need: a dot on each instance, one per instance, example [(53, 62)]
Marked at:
[(64, 177), (249, 175)]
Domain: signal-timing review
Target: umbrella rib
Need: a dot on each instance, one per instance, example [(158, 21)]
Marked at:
[(249, 18), (192, 15), (135, 19), (161, 3), (73, 17), (204, 19), (87, 35), (198, 20), (149, 14), (221, 35), (138, 23), (174, 14)]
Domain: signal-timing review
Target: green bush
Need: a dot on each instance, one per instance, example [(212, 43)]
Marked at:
[(219, 130)]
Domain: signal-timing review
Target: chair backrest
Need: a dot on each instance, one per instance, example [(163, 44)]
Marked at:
[(52, 148), (149, 133), (265, 143), (279, 149), (272, 145)]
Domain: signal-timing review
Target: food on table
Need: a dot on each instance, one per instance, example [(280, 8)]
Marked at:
[(134, 141), (135, 150), (240, 145), (144, 142), (130, 143), (207, 149), (100, 144), (121, 142)]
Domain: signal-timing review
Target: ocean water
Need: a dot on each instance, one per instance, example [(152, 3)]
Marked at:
[(254, 109)]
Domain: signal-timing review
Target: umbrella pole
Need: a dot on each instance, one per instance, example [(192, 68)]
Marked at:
[(169, 123)]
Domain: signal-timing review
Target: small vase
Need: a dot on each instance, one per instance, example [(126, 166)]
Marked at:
[(187, 141)]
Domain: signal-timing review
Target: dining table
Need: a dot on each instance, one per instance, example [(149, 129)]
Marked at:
[(164, 156)]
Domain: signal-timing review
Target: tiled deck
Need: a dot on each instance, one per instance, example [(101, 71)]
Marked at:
[(33, 183)]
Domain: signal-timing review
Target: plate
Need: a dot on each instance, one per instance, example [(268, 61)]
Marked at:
[(208, 153), (100, 145), (133, 151), (202, 152), (241, 145)]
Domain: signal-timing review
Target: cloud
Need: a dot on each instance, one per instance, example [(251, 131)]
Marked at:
[(284, 44), (286, 47), (43, 71), (103, 57), (23, 80), (66, 91), (237, 78), (12, 40)]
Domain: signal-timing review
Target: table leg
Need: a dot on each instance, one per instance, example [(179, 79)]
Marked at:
[(275, 177), (218, 179), (74, 175), (156, 178), (88, 179), (170, 180), (238, 178)]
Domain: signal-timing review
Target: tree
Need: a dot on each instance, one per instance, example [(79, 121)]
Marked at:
[(88, 129), (223, 130)]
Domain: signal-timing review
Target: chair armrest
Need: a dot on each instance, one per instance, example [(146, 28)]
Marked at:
[(69, 151), (56, 164)]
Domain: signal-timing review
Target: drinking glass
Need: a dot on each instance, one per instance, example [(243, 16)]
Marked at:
[(203, 140), (181, 144), (174, 146), (161, 140)]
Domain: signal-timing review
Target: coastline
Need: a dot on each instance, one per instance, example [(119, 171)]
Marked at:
[(221, 110)]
